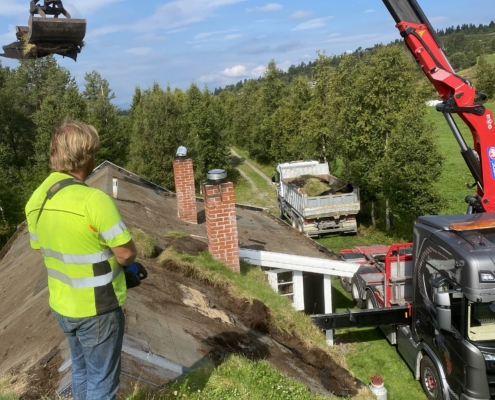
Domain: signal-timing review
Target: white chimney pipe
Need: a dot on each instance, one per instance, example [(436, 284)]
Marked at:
[(115, 188)]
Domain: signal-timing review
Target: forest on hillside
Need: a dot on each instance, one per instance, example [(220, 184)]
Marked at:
[(361, 112)]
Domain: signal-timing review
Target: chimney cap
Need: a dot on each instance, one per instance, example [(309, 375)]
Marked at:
[(181, 152), (216, 175)]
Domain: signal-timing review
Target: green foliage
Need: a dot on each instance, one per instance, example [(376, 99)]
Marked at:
[(103, 115), (158, 130), (271, 92), (387, 148), (289, 140), (485, 77)]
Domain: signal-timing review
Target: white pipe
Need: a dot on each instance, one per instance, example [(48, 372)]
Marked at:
[(115, 188)]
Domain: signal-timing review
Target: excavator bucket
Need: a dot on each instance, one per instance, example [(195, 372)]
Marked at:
[(47, 35), (56, 30)]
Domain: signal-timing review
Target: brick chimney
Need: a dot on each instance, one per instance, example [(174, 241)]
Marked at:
[(221, 222), (184, 187)]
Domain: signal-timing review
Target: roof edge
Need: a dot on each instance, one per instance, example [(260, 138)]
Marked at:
[(130, 174), (9, 243)]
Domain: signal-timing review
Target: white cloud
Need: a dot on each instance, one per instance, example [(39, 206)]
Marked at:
[(80, 9), (268, 8), (370, 11), (204, 35), (179, 13), (140, 51), (311, 24), (151, 37), (301, 15), (232, 36), (285, 65), (258, 71), (12, 9), (103, 30), (171, 17), (8, 37), (238, 70)]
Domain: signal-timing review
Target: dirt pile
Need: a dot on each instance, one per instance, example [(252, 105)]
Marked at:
[(39, 381)]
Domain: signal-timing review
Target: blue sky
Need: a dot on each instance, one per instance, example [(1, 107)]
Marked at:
[(219, 42)]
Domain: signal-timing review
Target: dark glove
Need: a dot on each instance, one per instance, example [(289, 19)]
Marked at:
[(134, 274)]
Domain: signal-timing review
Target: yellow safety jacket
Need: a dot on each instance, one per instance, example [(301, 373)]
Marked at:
[(75, 232)]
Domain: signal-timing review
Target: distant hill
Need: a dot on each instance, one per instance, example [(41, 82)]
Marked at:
[(463, 44)]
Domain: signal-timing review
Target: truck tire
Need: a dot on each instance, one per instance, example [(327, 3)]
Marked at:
[(356, 294), (430, 380), (345, 283), (280, 210), (370, 300), (300, 226)]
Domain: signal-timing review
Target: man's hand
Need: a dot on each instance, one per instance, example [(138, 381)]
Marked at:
[(125, 254)]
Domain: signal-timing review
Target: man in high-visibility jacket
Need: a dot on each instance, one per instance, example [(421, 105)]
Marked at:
[(85, 244)]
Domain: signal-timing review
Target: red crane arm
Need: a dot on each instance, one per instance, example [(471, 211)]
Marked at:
[(458, 95)]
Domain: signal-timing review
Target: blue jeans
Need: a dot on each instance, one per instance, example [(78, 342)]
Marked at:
[(95, 344)]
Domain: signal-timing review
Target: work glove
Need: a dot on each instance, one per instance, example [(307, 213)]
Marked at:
[(134, 274)]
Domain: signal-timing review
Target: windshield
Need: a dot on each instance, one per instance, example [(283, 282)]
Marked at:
[(481, 322)]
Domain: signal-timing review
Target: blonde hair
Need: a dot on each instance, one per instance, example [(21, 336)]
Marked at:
[(72, 146)]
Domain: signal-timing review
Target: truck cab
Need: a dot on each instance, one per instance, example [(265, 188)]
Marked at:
[(452, 335)]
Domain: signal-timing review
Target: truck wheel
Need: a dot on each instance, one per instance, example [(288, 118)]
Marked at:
[(345, 283), (294, 222), (300, 226), (356, 294), (281, 212), (430, 380), (370, 300)]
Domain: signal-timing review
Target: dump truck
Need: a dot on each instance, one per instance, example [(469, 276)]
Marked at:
[(330, 206)]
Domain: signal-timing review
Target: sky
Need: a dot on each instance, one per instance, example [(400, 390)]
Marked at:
[(219, 42)]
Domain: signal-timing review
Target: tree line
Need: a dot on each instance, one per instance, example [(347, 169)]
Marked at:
[(365, 116)]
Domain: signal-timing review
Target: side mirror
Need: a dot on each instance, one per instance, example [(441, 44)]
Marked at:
[(444, 313)]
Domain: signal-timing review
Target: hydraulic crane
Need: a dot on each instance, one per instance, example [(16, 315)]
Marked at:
[(459, 97)]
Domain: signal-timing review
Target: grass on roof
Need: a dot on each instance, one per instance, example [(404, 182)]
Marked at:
[(145, 243)]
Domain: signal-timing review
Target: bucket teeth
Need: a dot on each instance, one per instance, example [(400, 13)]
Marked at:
[(21, 50)]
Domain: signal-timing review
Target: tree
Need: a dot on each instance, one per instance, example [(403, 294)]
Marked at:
[(208, 147), (290, 141), (320, 117), (158, 129), (271, 92), (381, 109), (459, 60), (103, 115), (485, 77)]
